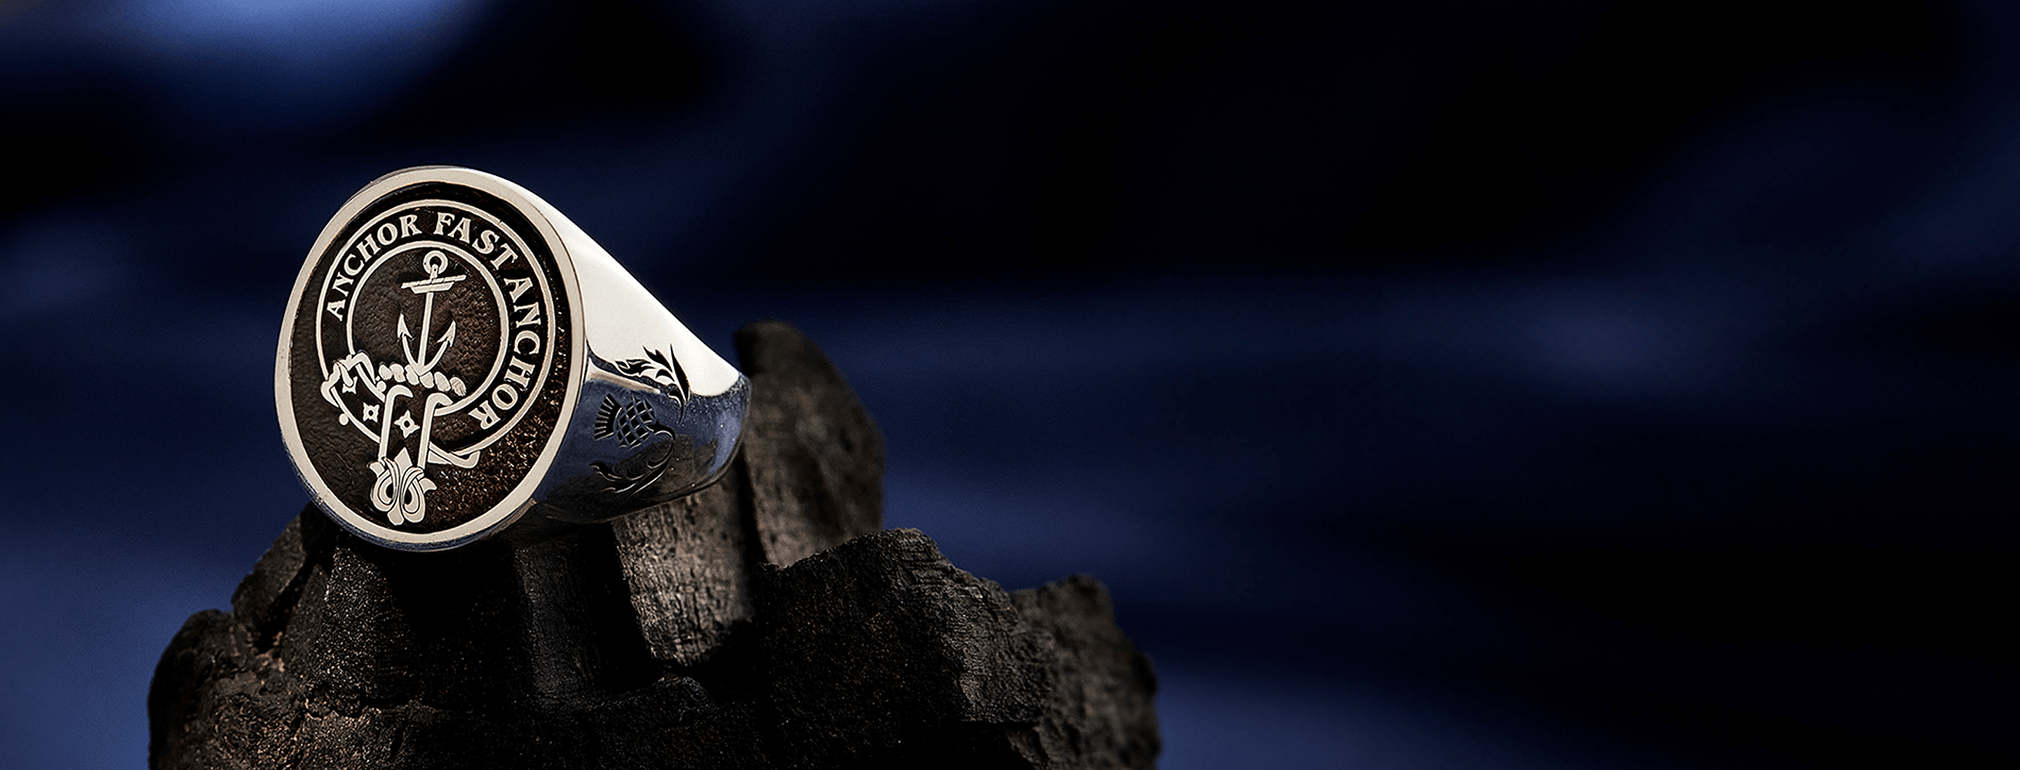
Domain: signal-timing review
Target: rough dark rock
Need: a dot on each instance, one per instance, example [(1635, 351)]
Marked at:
[(765, 622)]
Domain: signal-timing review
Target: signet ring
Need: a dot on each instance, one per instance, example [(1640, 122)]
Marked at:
[(457, 353)]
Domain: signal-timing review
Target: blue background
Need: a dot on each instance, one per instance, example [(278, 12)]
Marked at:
[(1444, 384)]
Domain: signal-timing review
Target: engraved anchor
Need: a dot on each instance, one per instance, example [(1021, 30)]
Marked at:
[(401, 485), (434, 262)]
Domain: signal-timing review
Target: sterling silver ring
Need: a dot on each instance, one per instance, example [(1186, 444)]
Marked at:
[(456, 353)]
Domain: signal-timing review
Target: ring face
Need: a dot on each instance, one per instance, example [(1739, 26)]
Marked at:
[(426, 363)]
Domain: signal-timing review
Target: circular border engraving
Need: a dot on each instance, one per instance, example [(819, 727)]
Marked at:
[(428, 359)]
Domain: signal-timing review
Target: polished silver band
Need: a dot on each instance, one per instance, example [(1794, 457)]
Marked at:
[(456, 352)]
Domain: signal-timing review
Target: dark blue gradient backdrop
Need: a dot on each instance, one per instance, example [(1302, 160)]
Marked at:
[(1447, 384)]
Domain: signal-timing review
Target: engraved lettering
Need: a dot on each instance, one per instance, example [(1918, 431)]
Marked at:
[(461, 230), (367, 249), (529, 314), (388, 233), (407, 226), (503, 257), (505, 397), (336, 309), (339, 285), (442, 221), (526, 336), (484, 415), (486, 241), (519, 286), (518, 371)]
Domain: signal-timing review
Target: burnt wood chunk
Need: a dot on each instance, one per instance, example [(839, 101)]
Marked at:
[(816, 460), (687, 564), (880, 647), (1100, 713), (765, 622)]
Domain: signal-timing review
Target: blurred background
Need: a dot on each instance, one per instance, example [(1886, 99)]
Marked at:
[(1434, 384)]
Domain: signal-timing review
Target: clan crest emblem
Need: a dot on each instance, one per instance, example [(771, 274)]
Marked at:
[(433, 323)]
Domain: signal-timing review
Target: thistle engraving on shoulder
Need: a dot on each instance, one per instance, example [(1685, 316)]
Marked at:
[(632, 423)]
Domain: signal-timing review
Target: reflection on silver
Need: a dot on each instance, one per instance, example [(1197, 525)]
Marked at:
[(457, 353)]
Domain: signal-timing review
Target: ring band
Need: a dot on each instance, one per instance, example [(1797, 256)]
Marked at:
[(456, 352)]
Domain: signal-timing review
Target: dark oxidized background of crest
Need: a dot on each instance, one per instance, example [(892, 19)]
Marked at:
[(1450, 384)]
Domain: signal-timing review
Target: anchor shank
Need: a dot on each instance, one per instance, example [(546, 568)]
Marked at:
[(427, 314)]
